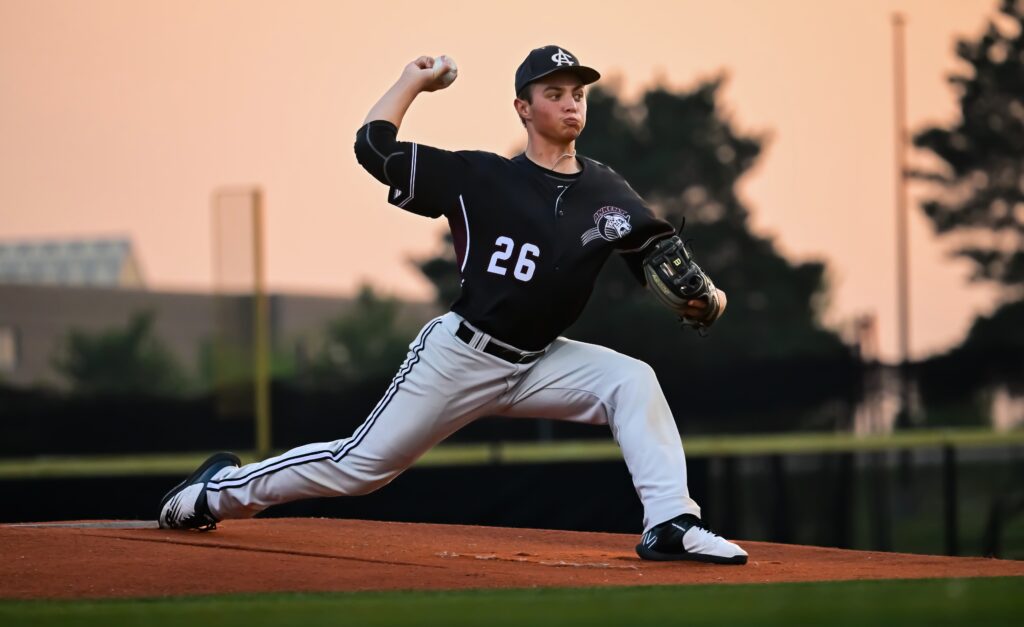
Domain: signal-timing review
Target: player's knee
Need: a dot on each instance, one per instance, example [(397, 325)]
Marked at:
[(637, 372), (360, 475), (637, 378)]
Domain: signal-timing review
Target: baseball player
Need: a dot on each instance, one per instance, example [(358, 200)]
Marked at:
[(531, 234)]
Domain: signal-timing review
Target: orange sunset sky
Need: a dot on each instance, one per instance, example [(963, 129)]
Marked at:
[(119, 117)]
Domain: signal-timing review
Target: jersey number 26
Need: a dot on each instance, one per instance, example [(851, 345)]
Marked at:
[(525, 266)]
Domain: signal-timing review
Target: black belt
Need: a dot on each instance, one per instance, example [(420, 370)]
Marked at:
[(466, 334)]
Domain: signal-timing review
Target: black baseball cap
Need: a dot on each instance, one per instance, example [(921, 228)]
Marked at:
[(548, 60)]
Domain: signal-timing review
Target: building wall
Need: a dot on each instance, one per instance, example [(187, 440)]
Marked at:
[(40, 317)]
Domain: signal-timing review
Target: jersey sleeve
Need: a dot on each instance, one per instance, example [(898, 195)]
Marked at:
[(647, 229), (420, 179)]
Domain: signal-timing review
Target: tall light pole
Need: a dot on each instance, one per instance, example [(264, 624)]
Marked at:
[(902, 237)]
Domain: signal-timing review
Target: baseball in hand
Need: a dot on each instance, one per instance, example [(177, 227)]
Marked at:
[(445, 71)]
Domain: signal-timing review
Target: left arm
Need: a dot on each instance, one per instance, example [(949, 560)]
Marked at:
[(652, 236), (681, 285), (694, 308)]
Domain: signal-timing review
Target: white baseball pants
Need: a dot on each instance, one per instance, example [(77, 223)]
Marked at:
[(443, 385)]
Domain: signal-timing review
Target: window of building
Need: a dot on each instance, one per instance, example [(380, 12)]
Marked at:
[(8, 349)]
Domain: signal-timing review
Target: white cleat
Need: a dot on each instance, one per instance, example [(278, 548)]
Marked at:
[(184, 507), (686, 537)]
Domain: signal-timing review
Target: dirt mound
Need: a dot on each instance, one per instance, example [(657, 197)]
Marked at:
[(133, 559)]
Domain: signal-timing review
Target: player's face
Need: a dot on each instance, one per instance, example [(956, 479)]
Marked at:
[(559, 108)]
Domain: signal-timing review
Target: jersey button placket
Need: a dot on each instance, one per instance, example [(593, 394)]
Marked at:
[(559, 211)]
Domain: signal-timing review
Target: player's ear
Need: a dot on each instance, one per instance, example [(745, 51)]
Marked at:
[(522, 109)]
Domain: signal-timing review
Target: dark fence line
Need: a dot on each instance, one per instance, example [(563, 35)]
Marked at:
[(763, 399), (869, 500)]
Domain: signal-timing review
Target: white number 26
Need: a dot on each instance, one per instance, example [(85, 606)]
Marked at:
[(525, 266)]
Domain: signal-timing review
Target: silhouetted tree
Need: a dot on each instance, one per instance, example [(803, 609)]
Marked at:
[(979, 205), (680, 152), (443, 271), (1002, 330), (955, 386), (981, 176), (119, 361), (368, 342)]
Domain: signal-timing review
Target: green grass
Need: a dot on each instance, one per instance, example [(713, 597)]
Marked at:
[(932, 602)]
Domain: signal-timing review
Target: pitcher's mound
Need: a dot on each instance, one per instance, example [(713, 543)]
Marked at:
[(132, 559)]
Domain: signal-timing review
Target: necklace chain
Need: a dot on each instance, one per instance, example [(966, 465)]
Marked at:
[(559, 160)]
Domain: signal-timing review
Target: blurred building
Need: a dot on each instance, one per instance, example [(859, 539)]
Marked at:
[(36, 319), (104, 262)]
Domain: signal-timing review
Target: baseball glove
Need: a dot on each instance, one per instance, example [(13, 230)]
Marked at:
[(675, 278)]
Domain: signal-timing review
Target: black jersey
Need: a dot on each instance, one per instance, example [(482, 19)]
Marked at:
[(529, 241)]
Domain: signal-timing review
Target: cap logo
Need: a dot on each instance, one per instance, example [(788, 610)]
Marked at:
[(562, 58)]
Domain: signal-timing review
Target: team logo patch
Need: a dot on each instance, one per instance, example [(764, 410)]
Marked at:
[(612, 224)]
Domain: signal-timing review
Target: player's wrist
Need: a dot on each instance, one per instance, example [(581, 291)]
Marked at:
[(414, 80)]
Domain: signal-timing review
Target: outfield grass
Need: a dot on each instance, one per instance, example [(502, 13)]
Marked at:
[(932, 602)]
